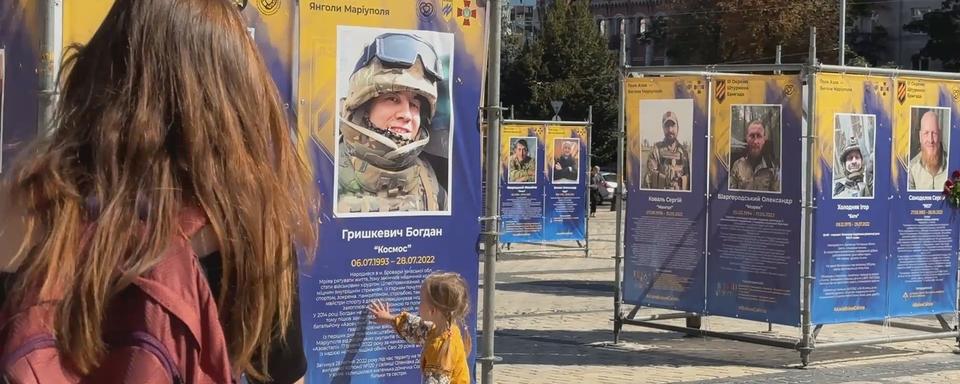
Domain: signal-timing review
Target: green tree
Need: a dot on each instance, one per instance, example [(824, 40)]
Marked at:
[(866, 45), (567, 60), (943, 27), (748, 31)]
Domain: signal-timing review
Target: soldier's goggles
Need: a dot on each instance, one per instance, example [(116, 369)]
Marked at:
[(401, 50)]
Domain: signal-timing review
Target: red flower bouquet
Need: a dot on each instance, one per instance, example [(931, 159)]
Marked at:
[(951, 189)]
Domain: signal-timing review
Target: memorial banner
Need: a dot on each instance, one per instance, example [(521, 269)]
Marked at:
[(20, 35), (81, 19), (665, 236), (269, 23), (922, 268), (521, 183), (543, 183), (390, 93), (852, 123), (753, 253), (565, 191)]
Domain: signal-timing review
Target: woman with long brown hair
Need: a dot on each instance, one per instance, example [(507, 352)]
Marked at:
[(167, 112)]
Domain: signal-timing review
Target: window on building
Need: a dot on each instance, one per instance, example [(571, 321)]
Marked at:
[(917, 13)]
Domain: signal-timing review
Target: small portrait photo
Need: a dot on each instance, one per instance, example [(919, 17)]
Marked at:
[(666, 130), (854, 160), (522, 163), (566, 161), (929, 149), (394, 122), (755, 148)]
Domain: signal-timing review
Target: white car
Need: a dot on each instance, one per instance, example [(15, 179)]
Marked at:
[(610, 183)]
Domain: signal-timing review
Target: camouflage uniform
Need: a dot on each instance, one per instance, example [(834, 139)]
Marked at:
[(668, 167), (380, 171), (523, 171), (762, 177)]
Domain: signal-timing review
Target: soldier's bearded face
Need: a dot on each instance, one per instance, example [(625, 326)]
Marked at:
[(397, 112), (670, 132), (854, 162), (930, 134), (756, 138)]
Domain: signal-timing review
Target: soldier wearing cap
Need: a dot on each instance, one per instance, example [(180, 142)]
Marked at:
[(668, 165), (756, 170), (856, 181), (385, 125)]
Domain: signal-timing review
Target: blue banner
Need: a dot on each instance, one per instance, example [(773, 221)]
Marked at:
[(521, 183), (565, 191), (543, 183), (852, 121), (665, 234), (922, 270), (397, 155), (271, 24), (753, 259), (19, 80)]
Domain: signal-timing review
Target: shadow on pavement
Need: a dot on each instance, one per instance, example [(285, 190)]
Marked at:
[(582, 288), (641, 348)]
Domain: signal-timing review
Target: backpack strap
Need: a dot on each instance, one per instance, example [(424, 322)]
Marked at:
[(153, 346)]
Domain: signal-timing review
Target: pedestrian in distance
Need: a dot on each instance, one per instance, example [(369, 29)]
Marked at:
[(597, 189)]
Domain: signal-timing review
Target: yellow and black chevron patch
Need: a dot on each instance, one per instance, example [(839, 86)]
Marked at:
[(721, 91), (901, 91)]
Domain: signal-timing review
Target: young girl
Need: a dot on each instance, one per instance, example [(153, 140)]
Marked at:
[(444, 303)]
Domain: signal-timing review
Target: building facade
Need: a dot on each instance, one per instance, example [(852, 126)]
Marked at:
[(638, 15), (524, 17), (880, 29)]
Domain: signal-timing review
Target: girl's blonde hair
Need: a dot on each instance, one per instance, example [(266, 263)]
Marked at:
[(448, 293), (168, 106)]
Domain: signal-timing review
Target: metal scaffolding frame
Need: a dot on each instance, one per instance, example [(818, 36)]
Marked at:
[(807, 342)]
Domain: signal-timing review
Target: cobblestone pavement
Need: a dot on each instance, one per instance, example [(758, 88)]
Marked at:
[(553, 325)]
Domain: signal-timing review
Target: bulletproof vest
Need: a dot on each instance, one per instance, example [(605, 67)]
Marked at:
[(657, 180), (363, 187), (670, 165), (671, 159)]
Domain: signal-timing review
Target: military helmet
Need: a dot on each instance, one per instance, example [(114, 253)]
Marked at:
[(852, 145), (393, 62), (396, 62)]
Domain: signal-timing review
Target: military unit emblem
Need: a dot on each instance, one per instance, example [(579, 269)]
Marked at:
[(268, 7), (901, 91), (721, 92)]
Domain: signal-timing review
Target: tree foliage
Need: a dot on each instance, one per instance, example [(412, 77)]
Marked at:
[(866, 45), (943, 28), (748, 31), (567, 60)]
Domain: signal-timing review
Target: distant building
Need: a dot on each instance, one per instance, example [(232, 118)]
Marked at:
[(902, 48), (524, 17), (639, 15)]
